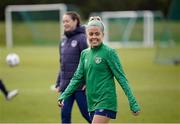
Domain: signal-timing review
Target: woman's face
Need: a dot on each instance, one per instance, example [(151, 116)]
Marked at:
[(68, 23), (94, 36)]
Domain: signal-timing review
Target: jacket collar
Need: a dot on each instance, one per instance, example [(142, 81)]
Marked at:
[(78, 30)]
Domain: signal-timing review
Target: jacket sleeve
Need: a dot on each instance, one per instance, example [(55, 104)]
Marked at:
[(59, 74), (58, 80), (116, 68), (83, 42), (75, 81), (82, 45)]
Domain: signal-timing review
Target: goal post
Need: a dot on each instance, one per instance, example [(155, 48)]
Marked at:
[(167, 40), (29, 8), (131, 18)]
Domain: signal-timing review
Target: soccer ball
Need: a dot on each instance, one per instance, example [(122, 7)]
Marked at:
[(12, 59)]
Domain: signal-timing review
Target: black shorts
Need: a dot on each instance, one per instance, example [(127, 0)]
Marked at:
[(103, 112)]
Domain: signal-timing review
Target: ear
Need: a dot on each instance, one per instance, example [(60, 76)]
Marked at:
[(76, 22)]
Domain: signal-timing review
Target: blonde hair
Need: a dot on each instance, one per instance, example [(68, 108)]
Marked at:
[(95, 18), (95, 21)]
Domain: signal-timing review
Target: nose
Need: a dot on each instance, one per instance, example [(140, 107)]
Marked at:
[(93, 36)]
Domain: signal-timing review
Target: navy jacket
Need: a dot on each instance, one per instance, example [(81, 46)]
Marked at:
[(70, 49)]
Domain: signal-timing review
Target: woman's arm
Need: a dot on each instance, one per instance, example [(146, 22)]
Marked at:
[(116, 68), (75, 81)]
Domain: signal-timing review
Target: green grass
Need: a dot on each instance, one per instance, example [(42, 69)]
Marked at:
[(32, 33), (47, 32), (157, 87)]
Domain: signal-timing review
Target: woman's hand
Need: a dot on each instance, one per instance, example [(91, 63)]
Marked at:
[(61, 103), (136, 113), (84, 87), (58, 89)]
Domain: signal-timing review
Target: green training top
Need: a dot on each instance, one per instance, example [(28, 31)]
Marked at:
[(98, 66)]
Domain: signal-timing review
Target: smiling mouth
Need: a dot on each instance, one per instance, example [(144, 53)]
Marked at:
[(96, 40)]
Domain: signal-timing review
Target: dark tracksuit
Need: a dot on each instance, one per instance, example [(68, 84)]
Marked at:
[(3, 88), (70, 49)]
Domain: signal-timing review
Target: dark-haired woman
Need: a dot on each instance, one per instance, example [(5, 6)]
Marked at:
[(73, 42)]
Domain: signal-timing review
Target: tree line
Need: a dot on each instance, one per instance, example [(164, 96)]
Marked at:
[(85, 7)]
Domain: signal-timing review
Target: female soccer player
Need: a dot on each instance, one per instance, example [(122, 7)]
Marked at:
[(8, 94), (98, 65)]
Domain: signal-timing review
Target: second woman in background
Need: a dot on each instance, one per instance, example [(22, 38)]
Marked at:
[(73, 42)]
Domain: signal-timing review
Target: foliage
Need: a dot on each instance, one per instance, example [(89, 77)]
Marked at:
[(85, 7)]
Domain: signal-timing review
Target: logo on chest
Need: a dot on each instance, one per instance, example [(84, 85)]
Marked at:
[(98, 60), (74, 43)]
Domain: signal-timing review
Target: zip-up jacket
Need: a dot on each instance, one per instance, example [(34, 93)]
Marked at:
[(99, 66), (70, 50)]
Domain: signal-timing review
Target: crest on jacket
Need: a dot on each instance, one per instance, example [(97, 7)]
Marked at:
[(98, 60), (74, 43)]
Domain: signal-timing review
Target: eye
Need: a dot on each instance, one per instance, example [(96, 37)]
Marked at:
[(97, 33), (65, 21), (91, 33)]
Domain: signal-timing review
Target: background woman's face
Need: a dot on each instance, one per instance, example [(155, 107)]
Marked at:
[(94, 36), (68, 23)]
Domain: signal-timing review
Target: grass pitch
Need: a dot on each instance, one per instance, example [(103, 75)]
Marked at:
[(157, 87)]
